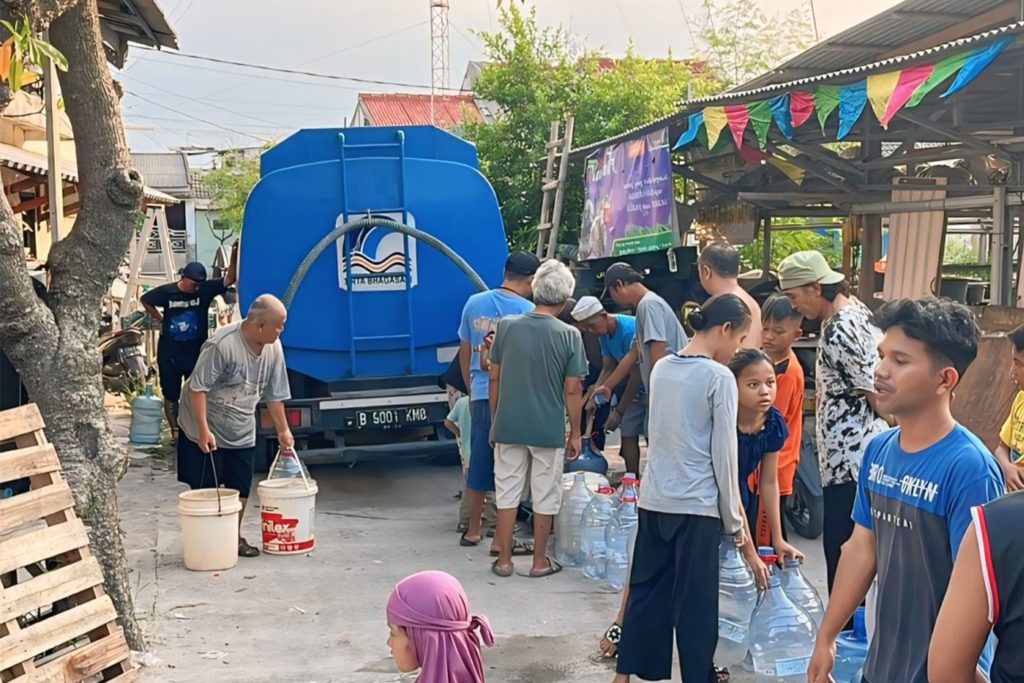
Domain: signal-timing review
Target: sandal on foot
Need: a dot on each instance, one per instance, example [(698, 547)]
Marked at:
[(722, 674), (613, 636), (519, 549), (466, 543), (246, 550), (503, 573), (552, 569)]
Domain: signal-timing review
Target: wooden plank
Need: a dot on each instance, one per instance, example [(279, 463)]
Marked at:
[(20, 421), (40, 545), (34, 504), (31, 642), (50, 587), (132, 676), (83, 662), (28, 462)]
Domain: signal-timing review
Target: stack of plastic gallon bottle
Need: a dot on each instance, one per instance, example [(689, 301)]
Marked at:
[(775, 632)]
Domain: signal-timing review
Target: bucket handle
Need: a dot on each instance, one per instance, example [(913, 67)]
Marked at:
[(295, 454), (216, 484)]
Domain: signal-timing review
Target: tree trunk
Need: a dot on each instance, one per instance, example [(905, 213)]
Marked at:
[(54, 349)]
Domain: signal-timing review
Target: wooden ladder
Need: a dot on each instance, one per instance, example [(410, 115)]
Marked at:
[(57, 625), (554, 189)]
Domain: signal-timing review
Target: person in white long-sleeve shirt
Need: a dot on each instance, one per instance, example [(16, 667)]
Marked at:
[(689, 498)]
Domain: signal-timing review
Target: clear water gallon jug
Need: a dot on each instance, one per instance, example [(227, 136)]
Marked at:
[(147, 418), (851, 651), (801, 592), (617, 534), (737, 597), (590, 459), (288, 465), (567, 523), (781, 636), (593, 523)]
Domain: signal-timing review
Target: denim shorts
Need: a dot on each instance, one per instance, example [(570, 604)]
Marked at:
[(480, 475)]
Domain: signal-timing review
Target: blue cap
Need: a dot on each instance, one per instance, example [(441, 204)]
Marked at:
[(194, 271)]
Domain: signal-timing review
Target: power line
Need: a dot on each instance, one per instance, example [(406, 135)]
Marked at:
[(199, 67), (294, 72), (184, 12), (196, 118), (234, 124), (467, 38), (689, 27), (365, 42)]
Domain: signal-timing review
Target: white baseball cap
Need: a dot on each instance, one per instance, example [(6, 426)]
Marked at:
[(586, 307)]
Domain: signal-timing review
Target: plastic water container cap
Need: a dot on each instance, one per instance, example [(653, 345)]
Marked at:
[(605, 490), (765, 550), (769, 558), (581, 477), (791, 562)]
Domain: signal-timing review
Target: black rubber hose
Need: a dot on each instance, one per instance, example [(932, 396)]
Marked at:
[(341, 230)]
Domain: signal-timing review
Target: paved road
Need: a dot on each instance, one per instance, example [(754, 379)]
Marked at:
[(321, 617)]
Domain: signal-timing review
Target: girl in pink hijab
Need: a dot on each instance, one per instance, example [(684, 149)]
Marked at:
[(432, 630)]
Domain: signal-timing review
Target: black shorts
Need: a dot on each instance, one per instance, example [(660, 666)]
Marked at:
[(175, 363), (233, 466)]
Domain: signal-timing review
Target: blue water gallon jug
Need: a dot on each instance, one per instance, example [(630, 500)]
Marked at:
[(147, 418), (852, 651), (590, 460)]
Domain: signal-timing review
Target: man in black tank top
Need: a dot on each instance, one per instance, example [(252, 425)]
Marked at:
[(986, 592)]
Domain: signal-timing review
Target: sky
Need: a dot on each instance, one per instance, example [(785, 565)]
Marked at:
[(173, 102)]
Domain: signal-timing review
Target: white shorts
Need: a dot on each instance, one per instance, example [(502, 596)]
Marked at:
[(515, 465)]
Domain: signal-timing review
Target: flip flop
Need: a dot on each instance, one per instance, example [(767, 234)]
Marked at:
[(503, 573), (552, 569), (466, 543), (519, 549)]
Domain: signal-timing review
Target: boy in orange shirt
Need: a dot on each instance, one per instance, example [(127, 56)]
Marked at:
[(780, 329)]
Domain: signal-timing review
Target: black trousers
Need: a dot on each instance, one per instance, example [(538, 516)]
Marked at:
[(838, 527), (673, 585)]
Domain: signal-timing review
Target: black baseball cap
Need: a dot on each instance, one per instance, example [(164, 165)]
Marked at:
[(194, 271), (522, 263), (617, 273)]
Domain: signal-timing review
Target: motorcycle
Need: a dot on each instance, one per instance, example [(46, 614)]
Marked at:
[(125, 369), (805, 507)]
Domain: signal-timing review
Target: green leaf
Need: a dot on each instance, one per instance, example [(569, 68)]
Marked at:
[(53, 54), (9, 26), (17, 71)]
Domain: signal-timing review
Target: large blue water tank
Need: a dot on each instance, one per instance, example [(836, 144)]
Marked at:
[(317, 179)]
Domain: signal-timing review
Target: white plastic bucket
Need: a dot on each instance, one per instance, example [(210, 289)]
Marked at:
[(209, 532), (287, 511)]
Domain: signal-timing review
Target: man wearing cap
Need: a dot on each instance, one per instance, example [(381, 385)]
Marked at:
[(480, 318), (182, 308), (615, 334), (658, 331), (846, 418)]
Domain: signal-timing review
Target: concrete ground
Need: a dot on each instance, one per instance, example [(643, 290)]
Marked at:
[(320, 617)]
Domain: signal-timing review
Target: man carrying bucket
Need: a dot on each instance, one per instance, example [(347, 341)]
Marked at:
[(241, 365)]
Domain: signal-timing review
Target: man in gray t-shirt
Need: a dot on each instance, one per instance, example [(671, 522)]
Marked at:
[(241, 365), (658, 331)]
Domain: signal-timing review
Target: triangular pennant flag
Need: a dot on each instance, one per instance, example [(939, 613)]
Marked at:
[(801, 106), (780, 113), (760, 119), (751, 155), (792, 171), (852, 99), (690, 134), (979, 60), (738, 115), (943, 70), (826, 101), (909, 81), (880, 87), (715, 120)]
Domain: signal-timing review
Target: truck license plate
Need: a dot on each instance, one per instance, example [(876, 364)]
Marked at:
[(391, 418)]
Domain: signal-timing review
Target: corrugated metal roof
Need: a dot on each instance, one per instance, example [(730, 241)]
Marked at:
[(163, 170), (403, 109), (689, 106), (903, 27)]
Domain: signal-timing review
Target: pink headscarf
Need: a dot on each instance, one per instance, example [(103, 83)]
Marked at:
[(434, 610)]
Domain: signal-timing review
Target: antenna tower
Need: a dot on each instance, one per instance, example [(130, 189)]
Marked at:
[(439, 59)]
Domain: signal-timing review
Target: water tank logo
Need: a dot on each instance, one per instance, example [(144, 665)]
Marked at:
[(377, 257)]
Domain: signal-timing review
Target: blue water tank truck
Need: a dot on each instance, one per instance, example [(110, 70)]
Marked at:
[(374, 238)]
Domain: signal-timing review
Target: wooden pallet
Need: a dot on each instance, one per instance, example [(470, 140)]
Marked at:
[(57, 625)]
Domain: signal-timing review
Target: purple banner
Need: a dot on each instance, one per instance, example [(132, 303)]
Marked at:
[(630, 199)]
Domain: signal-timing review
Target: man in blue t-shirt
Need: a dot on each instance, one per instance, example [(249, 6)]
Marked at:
[(615, 334), (917, 485), (480, 318)]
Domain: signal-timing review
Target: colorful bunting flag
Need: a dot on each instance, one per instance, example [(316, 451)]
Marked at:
[(826, 101), (738, 116), (977, 63), (781, 114), (792, 171), (751, 155), (760, 119), (852, 99), (910, 80), (880, 88), (801, 106), (690, 134), (715, 119), (943, 70)]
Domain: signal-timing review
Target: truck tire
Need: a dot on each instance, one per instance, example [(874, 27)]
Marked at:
[(805, 512)]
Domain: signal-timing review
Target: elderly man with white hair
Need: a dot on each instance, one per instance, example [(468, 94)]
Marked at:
[(241, 365), (537, 366)]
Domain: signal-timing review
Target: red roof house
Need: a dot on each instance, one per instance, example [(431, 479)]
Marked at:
[(405, 109)]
